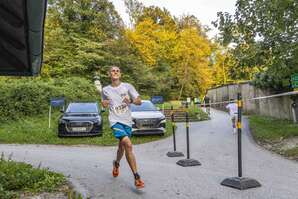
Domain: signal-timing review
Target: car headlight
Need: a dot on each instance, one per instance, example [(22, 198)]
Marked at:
[(162, 120), (97, 121)]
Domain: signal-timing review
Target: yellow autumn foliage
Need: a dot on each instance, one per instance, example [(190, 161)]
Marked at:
[(187, 52), (152, 41)]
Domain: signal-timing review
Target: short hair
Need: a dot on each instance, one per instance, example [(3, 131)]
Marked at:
[(113, 66)]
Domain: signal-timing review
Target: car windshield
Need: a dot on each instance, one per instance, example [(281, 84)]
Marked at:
[(145, 106), (82, 108)]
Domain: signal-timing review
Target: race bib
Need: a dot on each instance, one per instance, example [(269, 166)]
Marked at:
[(123, 108)]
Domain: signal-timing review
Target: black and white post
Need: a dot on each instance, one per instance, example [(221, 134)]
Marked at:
[(188, 162), (174, 153), (240, 182)]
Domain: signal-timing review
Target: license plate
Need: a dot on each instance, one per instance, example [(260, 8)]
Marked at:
[(146, 126), (79, 129)]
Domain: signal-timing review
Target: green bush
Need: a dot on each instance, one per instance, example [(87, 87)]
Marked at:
[(20, 177), (30, 96)]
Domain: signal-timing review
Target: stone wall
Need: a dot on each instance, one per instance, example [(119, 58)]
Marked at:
[(278, 107)]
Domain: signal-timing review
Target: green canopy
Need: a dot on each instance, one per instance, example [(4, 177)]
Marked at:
[(21, 36)]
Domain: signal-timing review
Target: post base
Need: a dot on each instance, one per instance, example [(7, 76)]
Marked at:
[(188, 163), (240, 183), (175, 154)]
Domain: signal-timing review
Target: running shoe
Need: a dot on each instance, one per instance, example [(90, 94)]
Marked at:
[(116, 169), (139, 183)]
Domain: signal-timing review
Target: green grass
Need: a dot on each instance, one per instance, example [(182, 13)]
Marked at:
[(266, 129), (16, 178), (196, 112), (35, 131), (292, 153), (271, 130)]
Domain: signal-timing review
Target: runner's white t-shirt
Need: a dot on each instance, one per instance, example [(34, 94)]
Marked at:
[(233, 109), (119, 111)]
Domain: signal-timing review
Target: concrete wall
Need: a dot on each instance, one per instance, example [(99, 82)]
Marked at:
[(278, 107)]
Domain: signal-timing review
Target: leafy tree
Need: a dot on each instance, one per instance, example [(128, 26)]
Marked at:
[(139, 13), (97, 19), (79, 35), (175, 51), (191, 67), (265, 34), (152, 40), (154, 45), (134, 9), (82, 40)]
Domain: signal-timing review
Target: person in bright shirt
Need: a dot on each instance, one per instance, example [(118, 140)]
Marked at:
[(118, 96)]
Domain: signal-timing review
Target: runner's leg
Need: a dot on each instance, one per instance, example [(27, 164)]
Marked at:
[(120, 151), (130, 157), (233, 122)]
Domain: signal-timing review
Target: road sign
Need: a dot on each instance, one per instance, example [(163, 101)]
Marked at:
[(188, 100), (157, 99), (294, 80), (56, 102)]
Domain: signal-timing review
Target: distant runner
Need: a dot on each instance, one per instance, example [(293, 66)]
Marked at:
[(207, 105), (233, 111)]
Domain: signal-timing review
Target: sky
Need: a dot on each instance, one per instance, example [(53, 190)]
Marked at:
[(204, 10)]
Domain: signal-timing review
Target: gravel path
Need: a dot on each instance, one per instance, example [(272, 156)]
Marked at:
[(211, 142)]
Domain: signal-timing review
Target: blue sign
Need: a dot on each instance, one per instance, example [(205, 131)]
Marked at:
[(55, 102), (157, 99)]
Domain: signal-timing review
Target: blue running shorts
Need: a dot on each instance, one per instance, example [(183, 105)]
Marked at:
[(121, 130)]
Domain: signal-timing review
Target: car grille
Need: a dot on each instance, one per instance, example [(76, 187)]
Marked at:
[(79, 126), (147, 123)]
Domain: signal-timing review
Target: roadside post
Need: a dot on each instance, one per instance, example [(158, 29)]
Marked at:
[(55, 102), (294, 81), (294, 107), (240, 182), (174, 153), (187, 162), (294, 85)]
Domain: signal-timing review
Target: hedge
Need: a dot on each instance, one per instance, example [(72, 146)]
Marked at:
[(30, 96)]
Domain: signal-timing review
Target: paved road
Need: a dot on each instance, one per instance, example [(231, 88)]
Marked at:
[(212, 143)]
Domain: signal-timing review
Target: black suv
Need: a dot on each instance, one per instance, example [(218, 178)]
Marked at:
[(81, 119)]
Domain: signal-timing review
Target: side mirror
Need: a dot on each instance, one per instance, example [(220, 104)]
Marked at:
[(61, 111)]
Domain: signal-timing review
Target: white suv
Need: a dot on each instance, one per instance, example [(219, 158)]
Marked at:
[(147, 119)]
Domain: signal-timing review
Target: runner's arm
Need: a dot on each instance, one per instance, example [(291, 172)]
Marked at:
[(137, 101), (105, 102)]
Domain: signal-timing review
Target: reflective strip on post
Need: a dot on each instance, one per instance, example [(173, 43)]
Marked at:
[(239, 125), (239, 103), (187, 124)]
